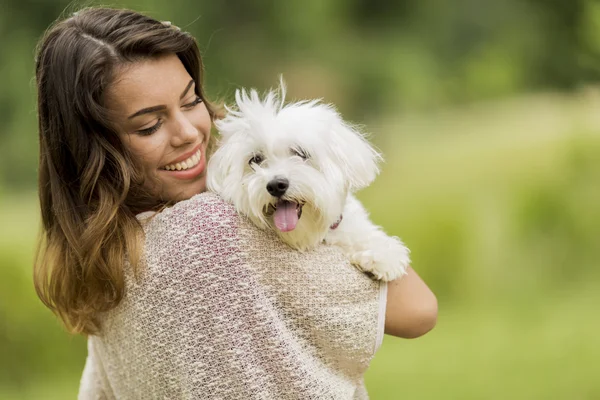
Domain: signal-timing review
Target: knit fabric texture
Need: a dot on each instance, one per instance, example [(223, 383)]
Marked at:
[(224, 310)]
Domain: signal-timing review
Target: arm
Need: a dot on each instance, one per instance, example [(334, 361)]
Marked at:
[(411, 307)]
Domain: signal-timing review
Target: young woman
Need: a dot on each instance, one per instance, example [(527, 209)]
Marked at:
[(179, 296)]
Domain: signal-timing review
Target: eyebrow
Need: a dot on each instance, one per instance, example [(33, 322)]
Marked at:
[(149, 110)]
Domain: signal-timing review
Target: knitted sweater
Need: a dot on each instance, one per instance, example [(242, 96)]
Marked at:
[(224, 310)]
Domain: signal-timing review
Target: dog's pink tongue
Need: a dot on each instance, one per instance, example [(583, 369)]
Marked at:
[(286, 216)]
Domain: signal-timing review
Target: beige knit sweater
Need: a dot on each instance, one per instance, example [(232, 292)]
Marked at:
[(224, 310)]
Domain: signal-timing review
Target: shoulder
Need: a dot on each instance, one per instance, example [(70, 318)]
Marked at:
[(203, 210), (204, 206), (200, 227)]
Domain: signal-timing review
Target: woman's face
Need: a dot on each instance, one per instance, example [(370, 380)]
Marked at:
[(164, 124)]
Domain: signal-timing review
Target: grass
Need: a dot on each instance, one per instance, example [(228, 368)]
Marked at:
[(545, 350)]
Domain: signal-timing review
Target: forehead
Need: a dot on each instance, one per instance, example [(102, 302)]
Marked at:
[(276, 134), (147, 82)]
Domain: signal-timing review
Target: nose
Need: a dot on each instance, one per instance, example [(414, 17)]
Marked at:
[(278, 186), (185, 131)]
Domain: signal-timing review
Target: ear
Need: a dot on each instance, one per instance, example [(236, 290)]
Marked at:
[(220, 163), (234, 119), (216, 169), (355, 156)]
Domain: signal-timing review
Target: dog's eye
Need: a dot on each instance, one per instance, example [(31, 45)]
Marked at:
[(256, 159), (300, 153)]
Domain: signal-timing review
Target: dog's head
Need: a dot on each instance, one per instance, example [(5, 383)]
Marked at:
[(289, 166)]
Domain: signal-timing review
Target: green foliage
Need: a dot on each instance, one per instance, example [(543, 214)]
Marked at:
[(34, 348), (368, 57)]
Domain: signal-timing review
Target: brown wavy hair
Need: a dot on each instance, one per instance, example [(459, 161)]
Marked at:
[(90, 187)]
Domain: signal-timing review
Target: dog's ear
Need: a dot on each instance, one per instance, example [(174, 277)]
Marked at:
[(221, 162), (216, 170), (355, 156)]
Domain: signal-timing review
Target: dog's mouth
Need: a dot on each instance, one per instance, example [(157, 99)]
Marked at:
[(286, 214)]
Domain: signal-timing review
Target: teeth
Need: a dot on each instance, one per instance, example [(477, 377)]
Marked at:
[(186, 164)]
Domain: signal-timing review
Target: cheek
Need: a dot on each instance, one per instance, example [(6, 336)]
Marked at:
[(200, 118), (150, 150), (333, 174)]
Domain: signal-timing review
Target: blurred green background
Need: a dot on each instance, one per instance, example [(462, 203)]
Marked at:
[(488, 115)]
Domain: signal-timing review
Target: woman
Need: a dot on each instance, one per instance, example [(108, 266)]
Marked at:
[(190, 301)]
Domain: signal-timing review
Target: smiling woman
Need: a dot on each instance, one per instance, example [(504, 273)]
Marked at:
[(165, 125), (107, 130)]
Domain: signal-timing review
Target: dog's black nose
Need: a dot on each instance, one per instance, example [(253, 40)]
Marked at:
[(278, 186)]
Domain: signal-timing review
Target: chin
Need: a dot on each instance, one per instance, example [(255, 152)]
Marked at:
[(293, 168), (189, 190)]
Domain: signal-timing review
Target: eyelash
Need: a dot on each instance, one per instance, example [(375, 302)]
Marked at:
[(194, 103), (257, 159), (151, 130), (300, 152), (155, 127)]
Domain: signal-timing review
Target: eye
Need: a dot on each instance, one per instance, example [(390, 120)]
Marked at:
[(300, 152), (151, 130), (256, 159), (194, 103)]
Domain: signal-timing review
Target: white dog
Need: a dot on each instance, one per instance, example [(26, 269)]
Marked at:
[(293, 168)]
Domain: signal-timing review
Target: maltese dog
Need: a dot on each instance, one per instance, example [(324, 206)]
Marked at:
[(292, 168)]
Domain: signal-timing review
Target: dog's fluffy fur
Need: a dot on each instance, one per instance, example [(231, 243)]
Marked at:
[(322, 159)]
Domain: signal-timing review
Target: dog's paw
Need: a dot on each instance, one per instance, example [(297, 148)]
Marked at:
[(386, 262), (363, 260)]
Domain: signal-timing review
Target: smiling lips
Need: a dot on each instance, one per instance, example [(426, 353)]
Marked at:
[(187, 169), (188, 163)]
